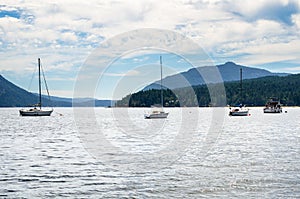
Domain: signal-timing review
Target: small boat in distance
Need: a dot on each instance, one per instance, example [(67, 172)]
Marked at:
[(158, 112), (273, 106), (37, 111), (239, 110)]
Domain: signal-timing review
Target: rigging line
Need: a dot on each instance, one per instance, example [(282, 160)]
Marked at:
[(45, 83), (30, 83), (31, 78)]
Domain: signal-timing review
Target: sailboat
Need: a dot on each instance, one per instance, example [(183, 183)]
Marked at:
[(37, 110), (158, 112), (239, 110)]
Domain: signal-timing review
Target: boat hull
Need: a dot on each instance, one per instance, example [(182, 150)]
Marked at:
[(157, 116), (35, 112), (268, 110), (237, 111)]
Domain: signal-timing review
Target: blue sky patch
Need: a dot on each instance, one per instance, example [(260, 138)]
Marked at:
[(17, 14), (13, 13), (273, 11), (280, 13)]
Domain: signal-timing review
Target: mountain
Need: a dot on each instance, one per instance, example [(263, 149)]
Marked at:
[(14, 96), (83, 102), (228, 71), (90, 102), (255, 93)]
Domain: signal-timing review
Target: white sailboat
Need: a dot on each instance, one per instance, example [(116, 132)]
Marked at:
[(239, 110), (158, 112), (37, 110)]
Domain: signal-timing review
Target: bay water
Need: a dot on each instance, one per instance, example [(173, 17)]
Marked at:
[(116, 153)]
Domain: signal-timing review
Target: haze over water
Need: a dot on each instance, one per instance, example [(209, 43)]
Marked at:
[(256, 156)]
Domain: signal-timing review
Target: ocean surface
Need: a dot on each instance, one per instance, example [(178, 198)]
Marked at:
[(116, 153)]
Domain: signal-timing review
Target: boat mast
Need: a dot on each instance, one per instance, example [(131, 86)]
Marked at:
[(40, 89), (241, 84), (161, 90)]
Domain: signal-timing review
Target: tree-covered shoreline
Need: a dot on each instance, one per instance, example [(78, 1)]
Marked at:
[(255, 93)]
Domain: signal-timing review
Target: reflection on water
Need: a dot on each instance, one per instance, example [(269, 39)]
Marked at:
[(256, 156)]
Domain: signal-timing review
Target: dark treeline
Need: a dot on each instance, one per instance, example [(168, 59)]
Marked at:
[(255, 92), (148, 98)]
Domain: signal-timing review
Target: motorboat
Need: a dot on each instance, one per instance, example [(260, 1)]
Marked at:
[(273, 106), (239, 111), (157, 113)]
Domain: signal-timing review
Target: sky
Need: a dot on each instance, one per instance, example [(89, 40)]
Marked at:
[(69, 35)]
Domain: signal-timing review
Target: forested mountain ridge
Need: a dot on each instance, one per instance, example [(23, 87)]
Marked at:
[(255, 93)]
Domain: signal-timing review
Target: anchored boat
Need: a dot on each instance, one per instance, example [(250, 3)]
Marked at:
[(158, 112), (239, 110), (273, 106), (37, 110)]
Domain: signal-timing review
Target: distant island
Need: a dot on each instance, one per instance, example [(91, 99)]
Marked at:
[(256, 93), (258, 86)]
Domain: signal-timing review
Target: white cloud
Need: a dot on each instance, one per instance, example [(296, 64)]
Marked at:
[(295, 69), (62, 93), (296, 20), (210, 21), (127, 74)]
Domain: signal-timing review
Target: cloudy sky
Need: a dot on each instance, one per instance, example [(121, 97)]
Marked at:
[(64, 33)]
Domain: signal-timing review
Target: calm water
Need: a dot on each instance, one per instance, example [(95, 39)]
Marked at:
[(115, 153)]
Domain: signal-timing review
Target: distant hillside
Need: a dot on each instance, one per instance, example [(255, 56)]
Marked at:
[(228, 71), (10, 95), (14, 96), (255, 93), (84, 102)]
